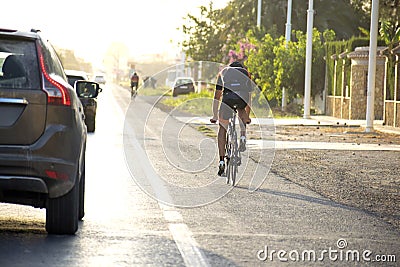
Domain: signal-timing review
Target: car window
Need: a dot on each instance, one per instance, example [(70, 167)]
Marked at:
[(183, 81), (18, 65), (52, 62)]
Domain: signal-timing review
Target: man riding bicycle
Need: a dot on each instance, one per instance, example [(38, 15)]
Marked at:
[(234, 86), (134, 83)]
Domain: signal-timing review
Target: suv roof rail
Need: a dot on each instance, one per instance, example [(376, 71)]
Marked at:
[(7, 30), (35, 30)]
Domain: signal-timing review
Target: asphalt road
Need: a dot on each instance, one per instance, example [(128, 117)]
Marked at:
[(152, 198)]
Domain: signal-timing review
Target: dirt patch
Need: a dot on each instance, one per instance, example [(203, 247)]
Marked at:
[(368, 180), (337, 134)]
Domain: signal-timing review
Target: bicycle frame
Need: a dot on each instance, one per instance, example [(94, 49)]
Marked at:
[(232, 150)]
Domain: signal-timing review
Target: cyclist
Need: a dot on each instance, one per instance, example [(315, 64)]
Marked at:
[(234, 87), (134, 83)]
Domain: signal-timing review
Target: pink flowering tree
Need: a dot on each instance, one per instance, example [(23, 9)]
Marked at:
[(241, 52)]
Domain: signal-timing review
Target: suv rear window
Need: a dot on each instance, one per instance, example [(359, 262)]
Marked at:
[(183, 81), (19, 67)]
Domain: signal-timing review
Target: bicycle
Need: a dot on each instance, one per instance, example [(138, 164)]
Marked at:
[(133, 91), (232, 154)]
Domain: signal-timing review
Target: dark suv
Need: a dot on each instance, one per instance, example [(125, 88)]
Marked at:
[(88, 101), (42, 132)]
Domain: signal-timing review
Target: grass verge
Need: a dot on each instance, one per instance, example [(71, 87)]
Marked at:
[(207, 131), (158, 91), (198, 104)]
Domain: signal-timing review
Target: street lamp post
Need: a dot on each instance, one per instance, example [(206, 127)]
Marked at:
[(372, 66), (287, 37), (259, 13), (288, 21), (307, 87)]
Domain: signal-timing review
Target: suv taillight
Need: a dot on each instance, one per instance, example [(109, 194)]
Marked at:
[(57, 94)]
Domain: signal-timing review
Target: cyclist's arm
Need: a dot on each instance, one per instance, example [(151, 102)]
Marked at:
[(217, 98), (215, 105), (248, 108)]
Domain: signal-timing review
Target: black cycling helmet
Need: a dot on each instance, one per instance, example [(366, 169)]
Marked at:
[(236, 64)]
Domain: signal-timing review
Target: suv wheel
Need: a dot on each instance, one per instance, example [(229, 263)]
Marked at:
[(62, 213), (91, 125), (81, 211)]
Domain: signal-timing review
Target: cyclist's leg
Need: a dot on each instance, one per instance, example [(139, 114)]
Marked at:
[(243, 120), (224, 114), (223, 125), (221, 147)]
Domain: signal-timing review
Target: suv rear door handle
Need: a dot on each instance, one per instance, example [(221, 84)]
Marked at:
[(13, 101)]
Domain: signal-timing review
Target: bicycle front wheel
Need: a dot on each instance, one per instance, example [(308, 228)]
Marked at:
[(233, 170)]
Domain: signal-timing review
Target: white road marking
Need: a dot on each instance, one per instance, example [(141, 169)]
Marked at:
[(187, 245), (183, 237)]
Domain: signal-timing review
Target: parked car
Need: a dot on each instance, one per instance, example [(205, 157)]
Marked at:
[(183, 85), (42, 132), (99, 78), (89, 101)]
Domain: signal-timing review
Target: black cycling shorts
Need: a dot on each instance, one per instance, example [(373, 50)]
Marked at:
[(229, 100)]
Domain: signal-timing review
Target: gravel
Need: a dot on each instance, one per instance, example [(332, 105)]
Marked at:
[(368, 180)]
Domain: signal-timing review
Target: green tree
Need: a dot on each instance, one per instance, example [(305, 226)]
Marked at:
[(289, 66), (221, 34), (390, 32), (389, 17), (339, 16), (275, 64), (217, 31), (260, 63), (205, 35), (388, 9)]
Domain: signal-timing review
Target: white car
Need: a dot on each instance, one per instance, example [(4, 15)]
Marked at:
[(99, 78)]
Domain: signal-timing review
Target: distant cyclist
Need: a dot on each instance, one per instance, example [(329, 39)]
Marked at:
[(134, 83), (234, 86)]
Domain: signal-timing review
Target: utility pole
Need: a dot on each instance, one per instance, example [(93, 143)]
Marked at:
[(307, 87), (288, 21), (287, 37), (370, 116), (259, 13)]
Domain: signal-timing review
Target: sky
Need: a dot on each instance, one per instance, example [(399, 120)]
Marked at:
[(89, 26)]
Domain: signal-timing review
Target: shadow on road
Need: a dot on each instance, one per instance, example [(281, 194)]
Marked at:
[(314, 200)]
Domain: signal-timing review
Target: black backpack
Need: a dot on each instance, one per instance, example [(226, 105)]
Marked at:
[(236, 79)]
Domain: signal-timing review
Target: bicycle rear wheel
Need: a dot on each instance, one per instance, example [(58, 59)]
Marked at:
[(232, 152), (232, 163), (227, 171), (233, 168)]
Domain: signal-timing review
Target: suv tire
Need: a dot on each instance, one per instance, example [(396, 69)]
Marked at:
[(91, 124), (81, 208), (62, 213)]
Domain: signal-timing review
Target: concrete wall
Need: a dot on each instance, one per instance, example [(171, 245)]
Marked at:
[(358, 87), (354, 107)]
